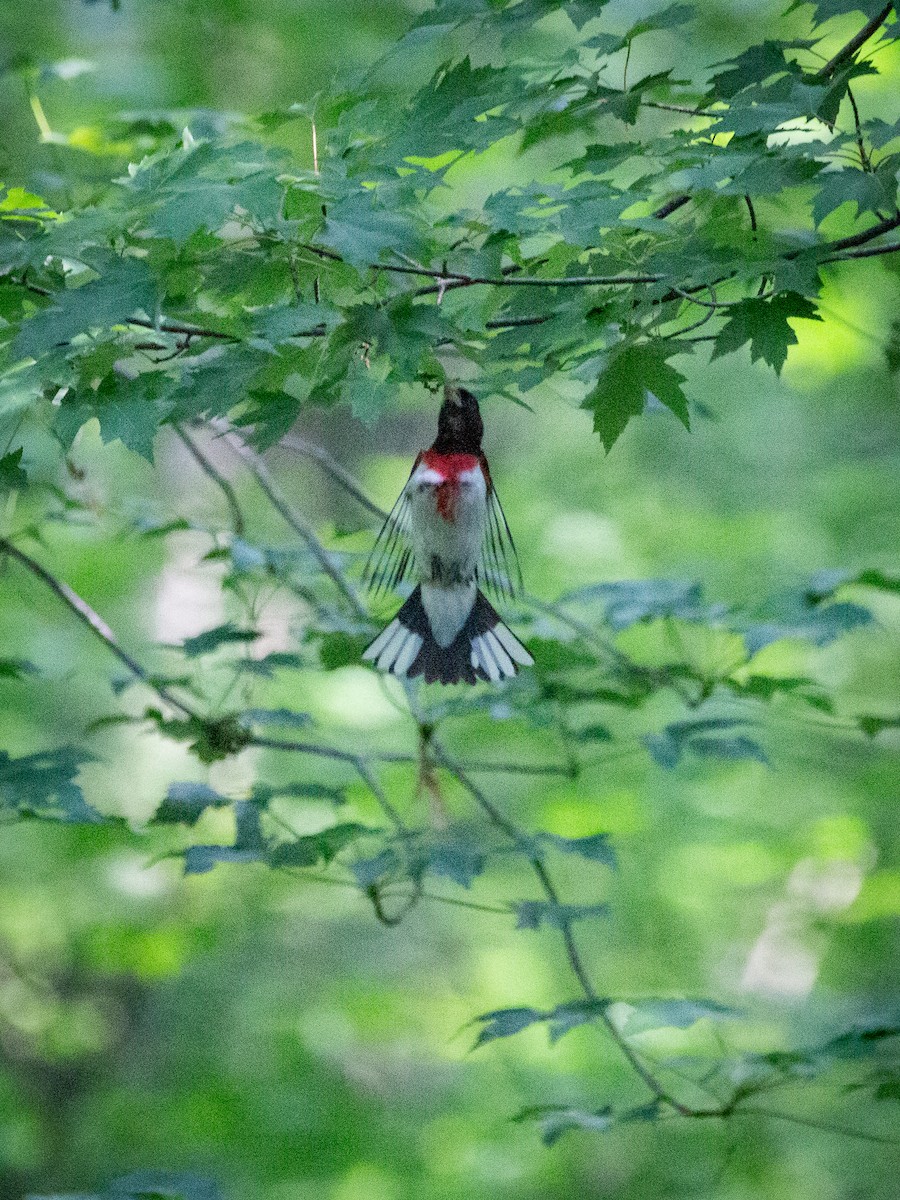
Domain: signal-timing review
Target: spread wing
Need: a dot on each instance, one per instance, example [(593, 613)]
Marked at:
[(499, 569), (391, 556)]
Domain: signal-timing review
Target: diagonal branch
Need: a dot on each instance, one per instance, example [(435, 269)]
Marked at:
[(332, 467), (846, 52), (289, 514), (573, 954), (94, 622), (238, 523)]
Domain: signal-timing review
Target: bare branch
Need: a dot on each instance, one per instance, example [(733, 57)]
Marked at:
[(238, 523), (278, 501), (846, 53), (94, 622), (866, 252), (332, 467)]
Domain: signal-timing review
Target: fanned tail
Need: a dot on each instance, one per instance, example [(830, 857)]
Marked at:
[(483, 649)]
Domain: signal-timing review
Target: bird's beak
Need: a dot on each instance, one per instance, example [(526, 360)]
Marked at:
[(452, 396)]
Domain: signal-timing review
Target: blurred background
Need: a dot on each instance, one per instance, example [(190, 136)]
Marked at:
[(268, 1032)]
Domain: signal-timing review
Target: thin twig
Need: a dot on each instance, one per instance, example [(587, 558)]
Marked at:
[(94, 622), (865, 252), (273, 493), (332, 467), (573, 954), (847, 51), (673, 205), (238, 523), (811, 1123)]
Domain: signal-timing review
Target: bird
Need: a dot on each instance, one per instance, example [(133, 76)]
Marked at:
[(448, 531)]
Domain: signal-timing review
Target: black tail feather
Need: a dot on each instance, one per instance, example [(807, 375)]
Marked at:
[(461, 661)]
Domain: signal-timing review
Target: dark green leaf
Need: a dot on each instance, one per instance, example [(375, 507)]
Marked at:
[(124, 288), (16, 668), (11, 474), (277, 716), (764, 324), (595, 847), (504, 1022), (566, 1017), (43, 785), (554, 1121), (316, 848), (212, 639), (187, 802), (632, 372), (675, 1014)]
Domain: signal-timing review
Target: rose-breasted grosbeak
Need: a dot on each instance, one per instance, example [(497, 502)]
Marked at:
[(448, 530)]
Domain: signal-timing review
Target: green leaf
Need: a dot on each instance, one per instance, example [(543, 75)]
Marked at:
[(595, 847), (211, 740), (753, 65), (871, 726), (366, 389), (675, 1014), (361, 230), (223, 635), (264, 792), (826, 9), (341, 649), (764, 324), (443, 115), (43, 785), (316, 848), (124, 288), (249, 844), (276, 716), (504, 1022), (185, 803), (701, 735), (870, 191), (630, 601), (566, 1017), (163, 1185), (666, 18), (632, 373), (16, 668), (12, 476), (553, 1121)]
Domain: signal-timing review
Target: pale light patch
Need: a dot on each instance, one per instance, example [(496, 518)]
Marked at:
[(784, 961), (585, 536), (353, 696), (235, 776), (855, 323), (189, 597), (132, 875)]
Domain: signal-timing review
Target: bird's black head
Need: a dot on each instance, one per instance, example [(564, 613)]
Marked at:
[(460, 427)]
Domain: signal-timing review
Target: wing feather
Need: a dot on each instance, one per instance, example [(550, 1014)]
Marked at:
[(391, 556), (499, 568)]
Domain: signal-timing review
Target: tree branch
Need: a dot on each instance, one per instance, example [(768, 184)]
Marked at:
[(332, 467), (268, 485), (866, 252), (573, 954), (94, 622), (847, 52), (238, 523)]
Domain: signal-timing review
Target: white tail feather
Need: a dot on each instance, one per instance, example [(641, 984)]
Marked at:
[(512, 645)]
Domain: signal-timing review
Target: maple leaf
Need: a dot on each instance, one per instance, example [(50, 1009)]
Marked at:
[(764, 324)]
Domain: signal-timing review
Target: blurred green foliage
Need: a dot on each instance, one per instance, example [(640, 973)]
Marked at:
[(195, 992)]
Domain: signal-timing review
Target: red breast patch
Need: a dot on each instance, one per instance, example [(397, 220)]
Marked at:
[(450, 466)]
